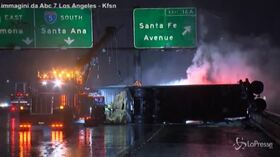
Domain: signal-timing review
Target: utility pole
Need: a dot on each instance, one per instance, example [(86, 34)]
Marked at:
[(138, 92), (138, 66)]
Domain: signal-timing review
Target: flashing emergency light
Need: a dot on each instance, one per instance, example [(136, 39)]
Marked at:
[(57, 125), (61, 74), (13, 108), (58, 83), (4, 104), (25, 126), (44, 83)]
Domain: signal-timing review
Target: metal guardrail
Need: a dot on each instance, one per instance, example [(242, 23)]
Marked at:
[(269, 123)]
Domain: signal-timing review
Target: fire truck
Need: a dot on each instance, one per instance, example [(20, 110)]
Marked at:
[(52, 100)]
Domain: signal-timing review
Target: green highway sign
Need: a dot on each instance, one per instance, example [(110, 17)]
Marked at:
[(16, 28), (64, 28), (46, 28), (165, 27)]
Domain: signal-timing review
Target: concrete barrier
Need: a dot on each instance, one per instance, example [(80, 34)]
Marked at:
[(269, 123)]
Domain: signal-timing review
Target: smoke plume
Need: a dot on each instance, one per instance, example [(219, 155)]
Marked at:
[(230, 59)]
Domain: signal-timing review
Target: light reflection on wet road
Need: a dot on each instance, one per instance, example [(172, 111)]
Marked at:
[(130, 140), (107, 140)]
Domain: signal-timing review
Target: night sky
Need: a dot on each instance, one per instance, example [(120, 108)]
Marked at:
[(235, 20)]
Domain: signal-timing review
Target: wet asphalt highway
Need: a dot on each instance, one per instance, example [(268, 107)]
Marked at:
[(210, 140)]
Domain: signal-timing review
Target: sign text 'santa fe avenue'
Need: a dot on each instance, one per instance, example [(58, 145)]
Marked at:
[(153, 26), (164, 27)]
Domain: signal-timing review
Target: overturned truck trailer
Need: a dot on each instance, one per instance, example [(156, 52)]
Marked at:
[(176, 104)]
